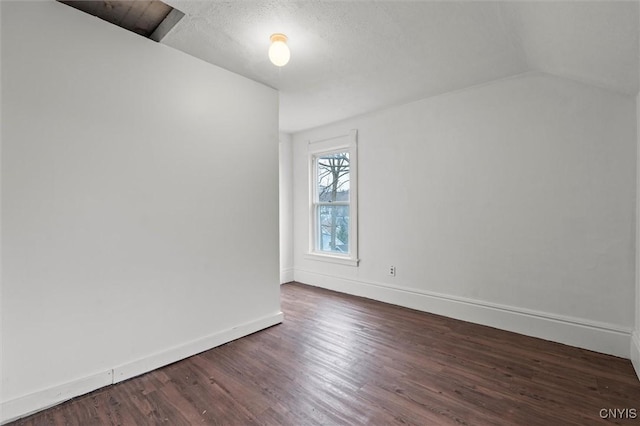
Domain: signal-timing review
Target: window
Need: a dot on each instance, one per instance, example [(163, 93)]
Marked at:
[(332, 202), (333, 207)]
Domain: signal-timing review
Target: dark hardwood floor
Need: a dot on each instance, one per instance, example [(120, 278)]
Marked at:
[(343, 360)]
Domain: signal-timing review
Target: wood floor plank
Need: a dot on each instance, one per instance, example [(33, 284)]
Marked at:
[(343, 360)]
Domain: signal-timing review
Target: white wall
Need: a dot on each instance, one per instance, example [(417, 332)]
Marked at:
[(286, 208), (635, 341), (1, 316), (509, 204), (139, 205)]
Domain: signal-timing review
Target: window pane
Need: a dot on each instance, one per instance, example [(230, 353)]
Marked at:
[(333, 223), (333, 177)]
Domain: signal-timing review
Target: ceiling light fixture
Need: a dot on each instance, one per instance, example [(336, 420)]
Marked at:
[(279, 53)]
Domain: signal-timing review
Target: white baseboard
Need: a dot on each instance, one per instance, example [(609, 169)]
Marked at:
[(23, 406), (151, 362), (286, 275), (596, 336), (20, 407), (635, 351)]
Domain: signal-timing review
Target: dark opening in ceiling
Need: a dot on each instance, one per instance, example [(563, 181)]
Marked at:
[(151, 18)]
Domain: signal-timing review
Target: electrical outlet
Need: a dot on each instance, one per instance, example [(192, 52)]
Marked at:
[(392, 271)]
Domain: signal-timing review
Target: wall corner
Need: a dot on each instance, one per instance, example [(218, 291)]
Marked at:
[(635, 352)]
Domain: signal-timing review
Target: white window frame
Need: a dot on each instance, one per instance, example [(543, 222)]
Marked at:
[(343, 143)]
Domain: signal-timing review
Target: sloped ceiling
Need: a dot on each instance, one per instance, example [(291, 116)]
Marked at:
[(353, 57), (593, 42), (142, 16)]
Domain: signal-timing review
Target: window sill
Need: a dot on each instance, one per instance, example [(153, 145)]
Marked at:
[(340, 260)]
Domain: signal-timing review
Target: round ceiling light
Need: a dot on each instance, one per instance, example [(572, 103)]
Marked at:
[(279, 53)]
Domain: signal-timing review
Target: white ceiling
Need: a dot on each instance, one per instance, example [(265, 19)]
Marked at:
[(353, 57)]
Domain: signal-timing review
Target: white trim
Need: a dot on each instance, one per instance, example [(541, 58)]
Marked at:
[(635, 351), (157, 360), (328, 145), (286, 275), (28, 404), (593, 335), (340, 260)]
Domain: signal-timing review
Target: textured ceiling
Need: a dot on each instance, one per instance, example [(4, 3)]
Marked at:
[(352, 57)]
